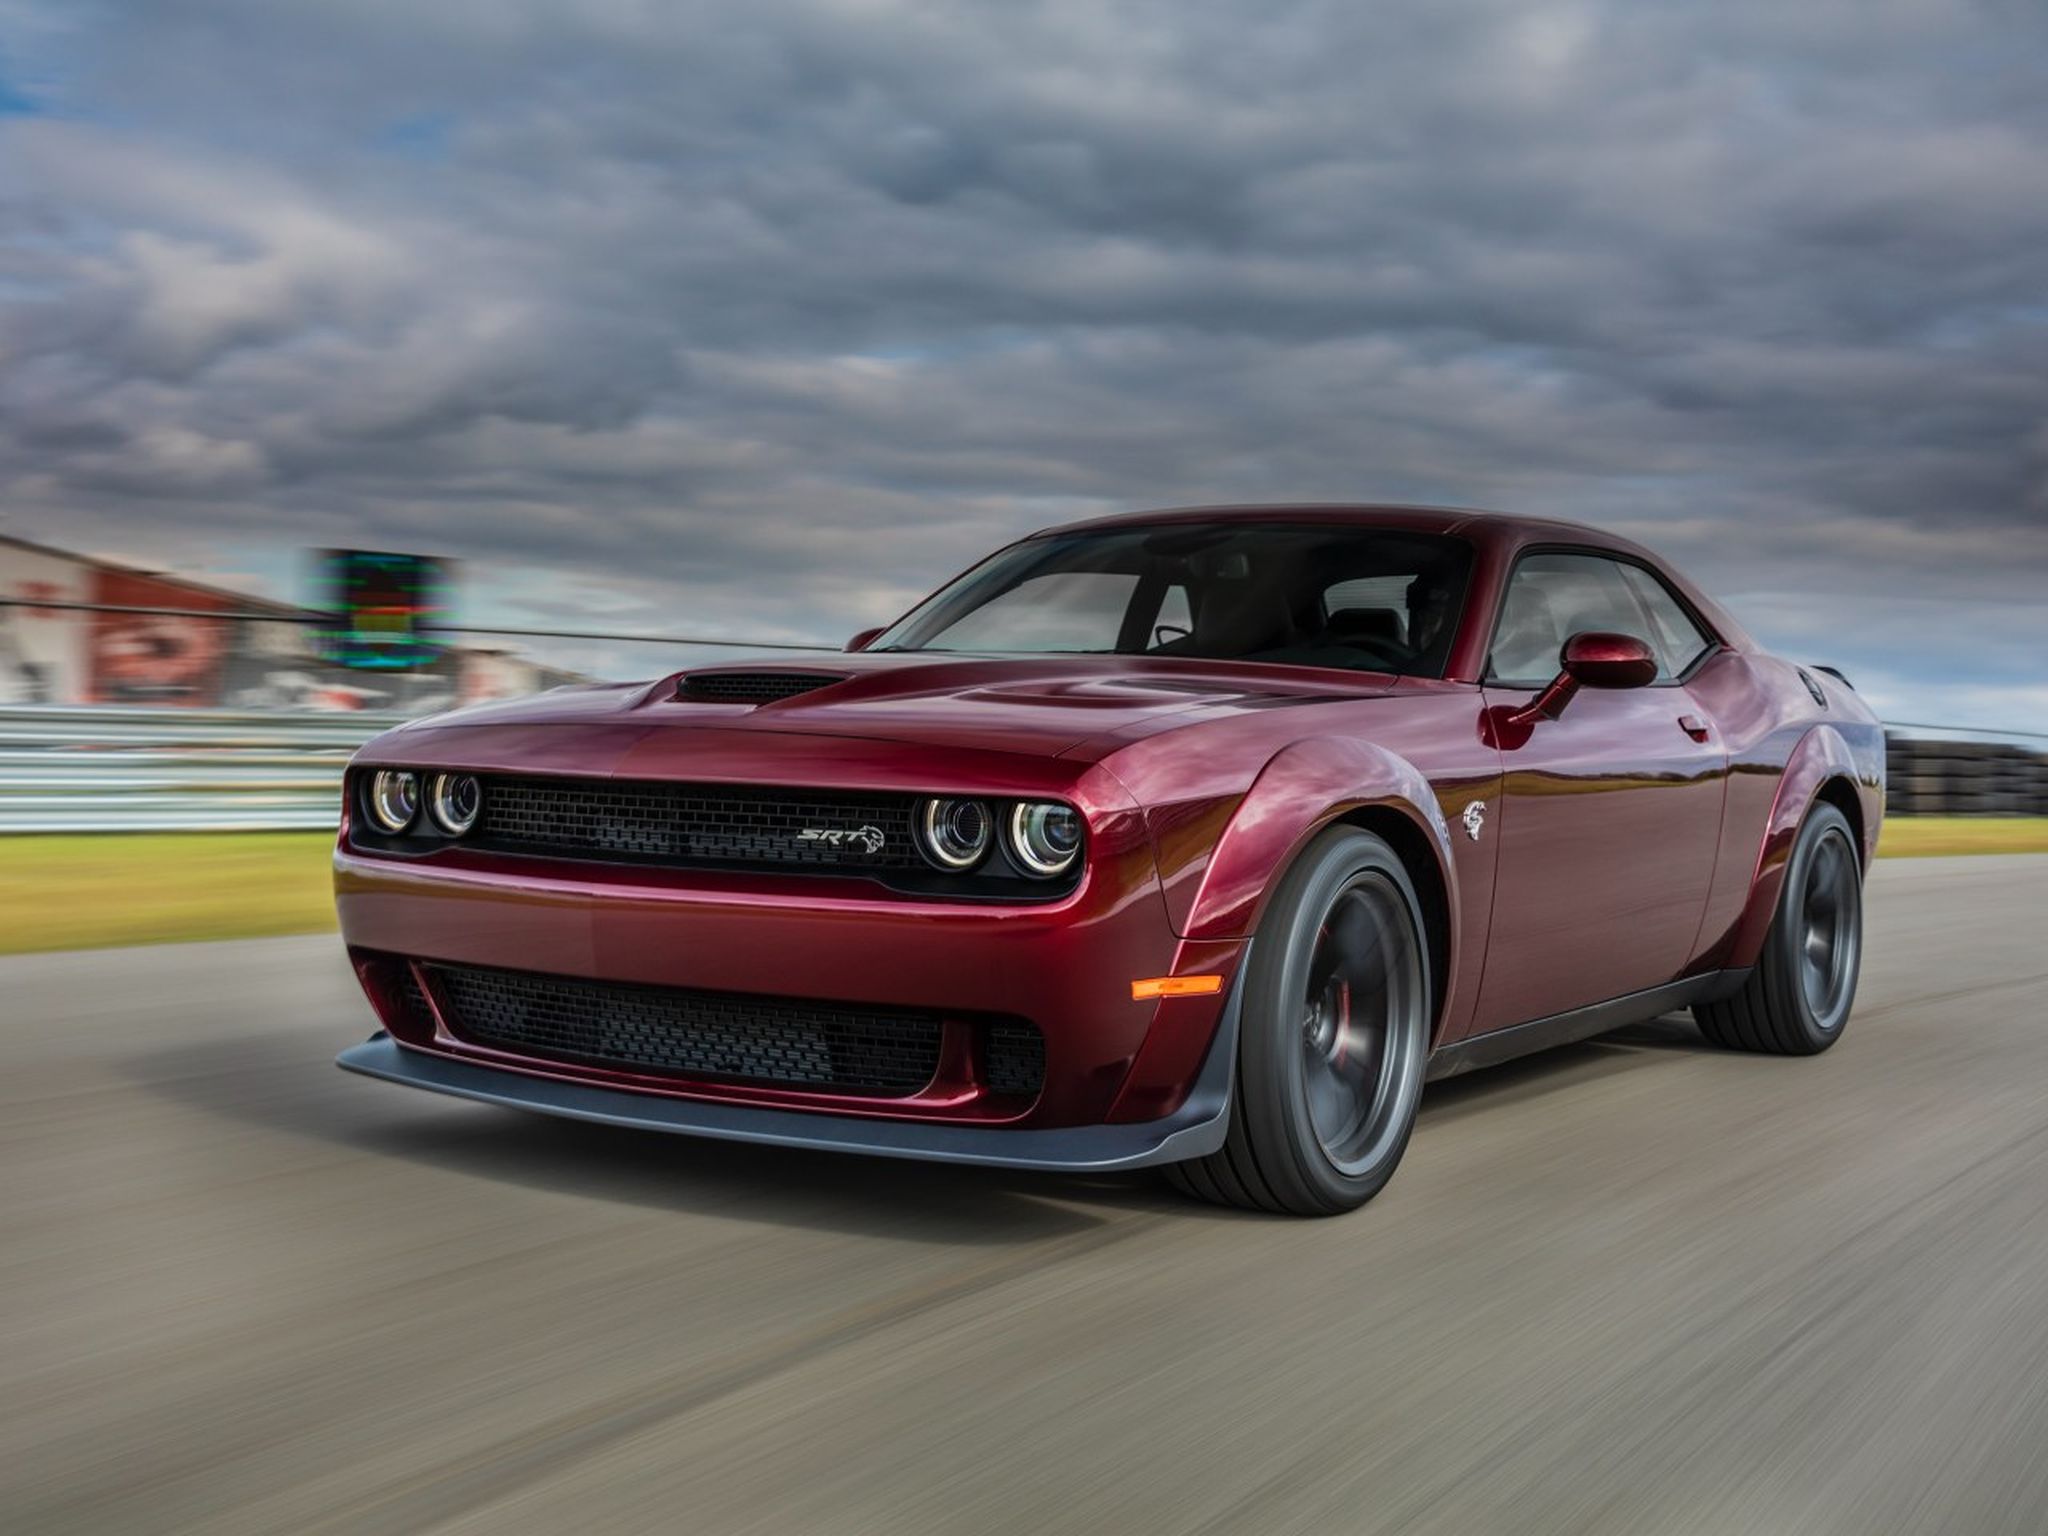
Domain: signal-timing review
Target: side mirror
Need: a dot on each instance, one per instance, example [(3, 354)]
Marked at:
[(1595, 660), (1592, 660), (861, 641)]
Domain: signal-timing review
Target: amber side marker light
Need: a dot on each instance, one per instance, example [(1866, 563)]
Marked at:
[(1175, 986)]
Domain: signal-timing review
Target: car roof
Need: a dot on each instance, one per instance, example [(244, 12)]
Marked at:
[(1471, 522)]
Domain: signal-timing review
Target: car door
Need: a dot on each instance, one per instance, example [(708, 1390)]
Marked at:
[(1610, 814)]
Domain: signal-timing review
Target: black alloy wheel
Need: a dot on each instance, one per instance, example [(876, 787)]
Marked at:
[(1333, 1037), (1798, 998)]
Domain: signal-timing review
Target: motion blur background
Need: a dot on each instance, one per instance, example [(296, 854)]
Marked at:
[(764, 318), (758, 321), (647, 325), (697, 321)]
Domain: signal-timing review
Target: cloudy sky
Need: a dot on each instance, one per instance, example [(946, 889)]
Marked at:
[(767, 316)]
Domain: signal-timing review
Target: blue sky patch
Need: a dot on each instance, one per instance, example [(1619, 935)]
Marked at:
[(423, 136)]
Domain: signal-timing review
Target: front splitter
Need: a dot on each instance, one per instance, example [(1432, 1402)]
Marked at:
[(1196, 1129)]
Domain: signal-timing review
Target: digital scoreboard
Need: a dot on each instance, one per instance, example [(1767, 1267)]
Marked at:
[(383, 605)]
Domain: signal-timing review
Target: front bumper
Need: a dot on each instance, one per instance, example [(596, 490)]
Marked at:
[(1064, 966), (1195, 1129)]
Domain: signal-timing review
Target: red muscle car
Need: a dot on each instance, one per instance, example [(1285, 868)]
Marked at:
[(1196, 838)]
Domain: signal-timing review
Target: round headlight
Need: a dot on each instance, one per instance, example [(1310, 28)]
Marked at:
[(394, 799), (454, 802), (955, 833), (1045, 838)]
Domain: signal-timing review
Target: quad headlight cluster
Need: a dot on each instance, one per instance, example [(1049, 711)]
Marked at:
[(395, 797), (1041, 837)]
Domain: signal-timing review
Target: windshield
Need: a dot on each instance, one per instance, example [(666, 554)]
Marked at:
[(1321, 595)]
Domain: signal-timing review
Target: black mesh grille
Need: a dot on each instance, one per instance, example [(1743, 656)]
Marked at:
[(1014, 1059), (752, 687), (789, 1041), (697, 824), (418, 1015)]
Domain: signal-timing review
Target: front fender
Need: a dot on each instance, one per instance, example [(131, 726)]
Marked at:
[(1821, 754), (1303, 788)]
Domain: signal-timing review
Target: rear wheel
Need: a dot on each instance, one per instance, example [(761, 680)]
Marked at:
[(1333, 1037), (1799, 996)]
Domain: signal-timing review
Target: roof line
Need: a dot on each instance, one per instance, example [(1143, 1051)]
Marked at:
[(102, 563)]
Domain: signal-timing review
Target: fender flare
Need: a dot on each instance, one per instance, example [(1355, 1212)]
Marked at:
[(1304, 788), (1820, 755)]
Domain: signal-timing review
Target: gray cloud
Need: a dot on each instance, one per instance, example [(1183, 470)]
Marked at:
[(773, 315)]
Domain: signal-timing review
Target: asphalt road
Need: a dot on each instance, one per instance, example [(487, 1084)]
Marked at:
[(1636, 1286)]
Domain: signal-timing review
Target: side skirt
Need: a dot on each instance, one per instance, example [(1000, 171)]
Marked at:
[(1499, 1045)]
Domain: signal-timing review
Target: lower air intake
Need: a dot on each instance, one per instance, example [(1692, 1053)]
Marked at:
[(1014, 1060), (787, 1041)]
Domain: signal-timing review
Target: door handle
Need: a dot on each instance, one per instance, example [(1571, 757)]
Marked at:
[(1694, 727)]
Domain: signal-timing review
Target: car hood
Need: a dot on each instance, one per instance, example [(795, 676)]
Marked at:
[(1046, 706)]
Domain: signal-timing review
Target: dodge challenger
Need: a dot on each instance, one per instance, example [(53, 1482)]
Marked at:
[(1195, 839)]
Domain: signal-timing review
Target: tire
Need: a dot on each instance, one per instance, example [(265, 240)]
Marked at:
[(1333, 1037), (1797, 999)]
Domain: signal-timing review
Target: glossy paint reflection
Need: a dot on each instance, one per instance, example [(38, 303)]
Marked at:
[(1637, 837)]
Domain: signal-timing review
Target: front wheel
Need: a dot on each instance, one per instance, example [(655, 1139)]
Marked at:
[(1333, 1038), (1798, 997)]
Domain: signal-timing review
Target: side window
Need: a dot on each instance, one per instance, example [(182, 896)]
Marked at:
[(1550, 599), (1677, 640)]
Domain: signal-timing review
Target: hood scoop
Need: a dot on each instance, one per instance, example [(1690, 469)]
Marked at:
[(751, 687)]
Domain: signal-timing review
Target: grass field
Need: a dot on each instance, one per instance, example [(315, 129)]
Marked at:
[(1921, 837), (90, 892)]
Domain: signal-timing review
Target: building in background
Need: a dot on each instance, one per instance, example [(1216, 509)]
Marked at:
[(44, 652), (267, 656)]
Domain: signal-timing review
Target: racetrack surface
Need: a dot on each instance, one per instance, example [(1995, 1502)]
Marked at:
[(1635, 1286)]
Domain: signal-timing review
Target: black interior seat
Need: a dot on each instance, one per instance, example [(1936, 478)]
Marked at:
[(1381, 627)]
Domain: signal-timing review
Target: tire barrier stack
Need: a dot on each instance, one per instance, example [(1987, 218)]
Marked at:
[(1964, 778)]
